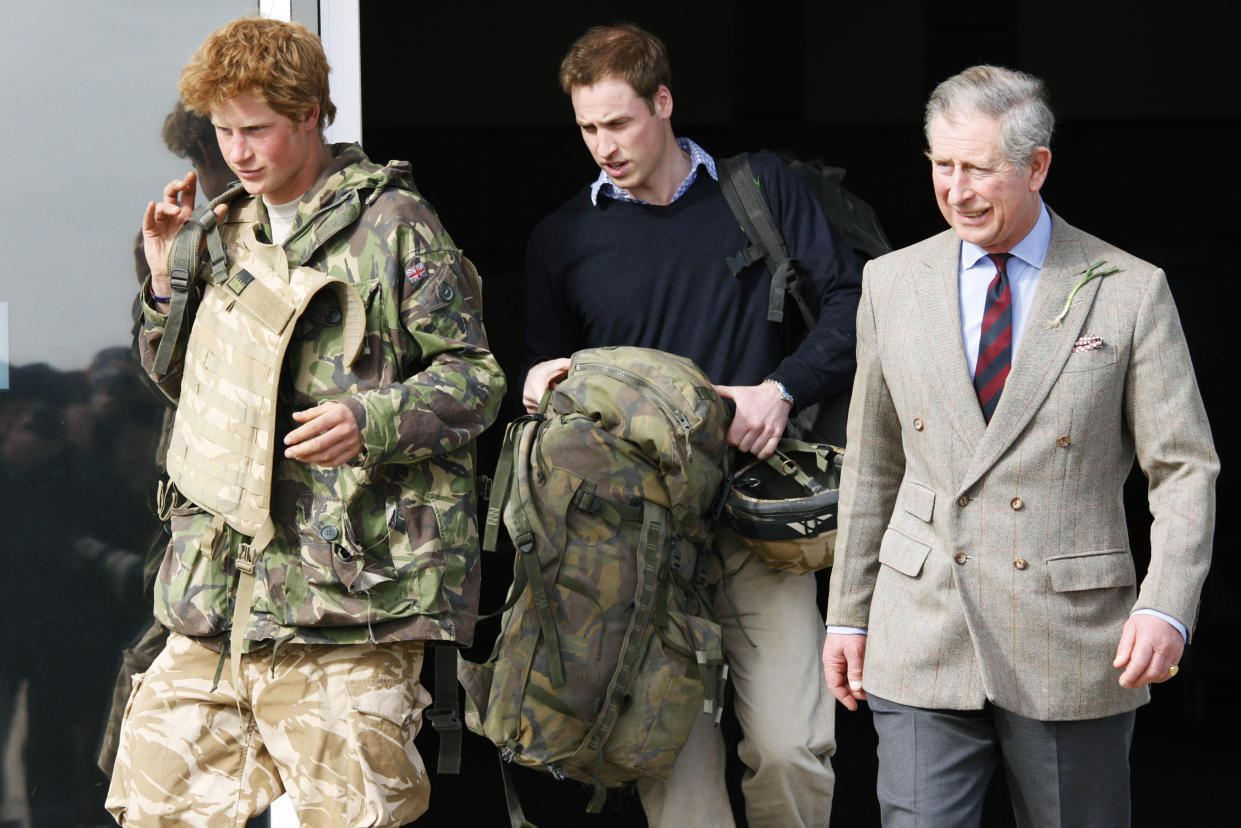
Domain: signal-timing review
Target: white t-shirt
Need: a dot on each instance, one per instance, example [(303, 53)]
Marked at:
[(281, 216)]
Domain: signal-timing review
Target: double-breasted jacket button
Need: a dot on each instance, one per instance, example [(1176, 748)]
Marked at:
[(1020, 563), (1017, 503), (1063, 442), (917, 423), (960, 557), (963, 500)]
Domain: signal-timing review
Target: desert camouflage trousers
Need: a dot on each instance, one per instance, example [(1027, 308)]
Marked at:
[(333, 725)]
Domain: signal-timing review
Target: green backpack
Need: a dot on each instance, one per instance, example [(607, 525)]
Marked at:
[(609, 649)]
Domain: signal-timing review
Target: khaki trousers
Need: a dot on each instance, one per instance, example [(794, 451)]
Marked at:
[(786, 712), (333, 726)]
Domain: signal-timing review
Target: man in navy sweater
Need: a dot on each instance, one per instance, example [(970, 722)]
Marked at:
[(638, 258)]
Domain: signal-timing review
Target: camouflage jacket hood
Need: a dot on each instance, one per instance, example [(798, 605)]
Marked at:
[(348, 184), (386, 547)]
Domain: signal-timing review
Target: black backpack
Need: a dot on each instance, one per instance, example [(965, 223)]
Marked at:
[(852, 220)]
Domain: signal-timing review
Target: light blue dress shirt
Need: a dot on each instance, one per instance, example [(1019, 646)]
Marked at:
[(698, 157), (975, 275)]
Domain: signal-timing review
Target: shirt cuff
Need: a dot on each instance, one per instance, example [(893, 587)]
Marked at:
[(1179, 626), (149, 312), (833, 629)]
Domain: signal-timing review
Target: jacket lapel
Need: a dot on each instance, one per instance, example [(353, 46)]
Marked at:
[(939, 297), (1044, 348)]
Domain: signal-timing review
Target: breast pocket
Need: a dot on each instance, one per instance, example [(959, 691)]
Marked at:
[(1091, 353), (917, 500)]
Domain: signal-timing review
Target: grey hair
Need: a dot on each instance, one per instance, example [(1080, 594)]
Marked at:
[(1018, 99)]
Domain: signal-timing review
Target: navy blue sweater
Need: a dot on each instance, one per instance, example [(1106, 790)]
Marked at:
[(621, 273)]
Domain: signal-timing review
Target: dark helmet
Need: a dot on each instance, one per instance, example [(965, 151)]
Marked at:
[(784, 508)]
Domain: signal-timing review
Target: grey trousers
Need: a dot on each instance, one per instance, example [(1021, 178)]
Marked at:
[(934, 767)]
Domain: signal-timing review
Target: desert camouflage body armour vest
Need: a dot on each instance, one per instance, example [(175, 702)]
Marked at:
[(222, 451)]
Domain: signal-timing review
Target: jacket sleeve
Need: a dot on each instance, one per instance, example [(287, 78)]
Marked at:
[(1175, 451), (874, 466), (448, 386)]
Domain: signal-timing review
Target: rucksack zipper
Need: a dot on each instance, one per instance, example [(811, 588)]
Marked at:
[(664, 403)]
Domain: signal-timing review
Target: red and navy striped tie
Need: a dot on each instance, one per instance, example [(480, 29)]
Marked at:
[(995, 345)]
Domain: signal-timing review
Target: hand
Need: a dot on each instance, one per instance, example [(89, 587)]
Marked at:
[(160, 224), (842, 665), (761, 414), (540, 377), (1148, 647), (329, 436)]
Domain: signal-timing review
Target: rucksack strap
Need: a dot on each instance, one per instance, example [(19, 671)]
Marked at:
[(516, 816), (654, 537), (512, 480), (183, 261), (445, 714), (526, 517), (749, 207), (502, 481)]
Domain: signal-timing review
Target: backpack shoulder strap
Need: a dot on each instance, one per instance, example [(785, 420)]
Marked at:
[(749, 206), (183, 262)]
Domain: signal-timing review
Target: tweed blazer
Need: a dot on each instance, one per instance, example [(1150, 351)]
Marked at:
[(992, 561)]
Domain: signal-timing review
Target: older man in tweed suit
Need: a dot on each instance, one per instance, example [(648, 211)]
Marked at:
[(1009, 370)]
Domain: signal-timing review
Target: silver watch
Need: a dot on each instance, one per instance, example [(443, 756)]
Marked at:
[(784, 392)]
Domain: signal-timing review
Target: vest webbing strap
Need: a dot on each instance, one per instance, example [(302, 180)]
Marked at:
[(183, 261), (240, 439), (247, 557), (749, 207), (206, 378)]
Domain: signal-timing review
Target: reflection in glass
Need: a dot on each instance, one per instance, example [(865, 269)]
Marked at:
[(80, 458)]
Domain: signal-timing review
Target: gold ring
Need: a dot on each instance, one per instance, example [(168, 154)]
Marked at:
[(1173, 670)]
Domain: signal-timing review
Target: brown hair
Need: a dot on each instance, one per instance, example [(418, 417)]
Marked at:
[(187, 131), (279, 63), (623, 51)]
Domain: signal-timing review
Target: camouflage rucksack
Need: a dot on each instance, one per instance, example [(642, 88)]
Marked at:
[(609, 649)]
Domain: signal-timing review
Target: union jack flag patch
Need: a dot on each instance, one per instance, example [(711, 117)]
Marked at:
[(415, 272)]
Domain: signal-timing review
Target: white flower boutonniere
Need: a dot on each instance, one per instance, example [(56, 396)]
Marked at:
[(1093, 272)]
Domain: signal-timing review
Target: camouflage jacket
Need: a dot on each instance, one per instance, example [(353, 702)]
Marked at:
[(386, 547)]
